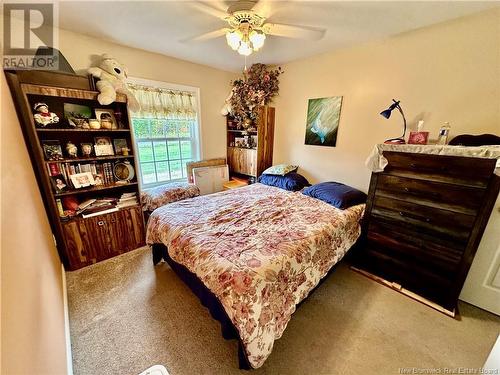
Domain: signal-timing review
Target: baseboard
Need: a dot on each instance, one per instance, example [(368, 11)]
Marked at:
[(69, 356)]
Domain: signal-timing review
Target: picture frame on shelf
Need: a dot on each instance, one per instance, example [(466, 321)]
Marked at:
[(239, 142), (98, 179), (59, 183), (255, 141), (120, 144), (81, 180), (77, 115), (106, 118), (418, 138), (103, 146), (52, 150)]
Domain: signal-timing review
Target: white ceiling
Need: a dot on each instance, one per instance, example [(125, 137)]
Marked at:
[(160, 26)]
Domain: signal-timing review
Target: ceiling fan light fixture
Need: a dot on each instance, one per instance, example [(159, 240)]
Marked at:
[(233, 39), (257, 38), (245, 49)]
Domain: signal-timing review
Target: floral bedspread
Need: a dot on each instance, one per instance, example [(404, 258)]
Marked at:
[(259, 249), (159, 196)]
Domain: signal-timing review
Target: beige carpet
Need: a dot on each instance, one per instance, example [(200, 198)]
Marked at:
[(127, 315)]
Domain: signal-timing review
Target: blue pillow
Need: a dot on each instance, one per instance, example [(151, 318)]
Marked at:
[(291, 181), (337, 194)]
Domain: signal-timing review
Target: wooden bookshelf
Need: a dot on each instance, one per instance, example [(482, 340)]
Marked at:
[(251, 161), (80, 241)]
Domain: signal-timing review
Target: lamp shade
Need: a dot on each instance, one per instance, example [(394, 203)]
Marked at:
[(386, 113)]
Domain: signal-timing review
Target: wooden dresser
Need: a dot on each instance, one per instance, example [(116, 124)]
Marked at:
[(424, 220)]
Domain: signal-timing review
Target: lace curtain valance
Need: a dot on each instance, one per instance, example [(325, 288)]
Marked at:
[(163, 103)]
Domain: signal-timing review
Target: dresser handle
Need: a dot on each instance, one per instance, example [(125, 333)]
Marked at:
[(100, 223), (426, 219)]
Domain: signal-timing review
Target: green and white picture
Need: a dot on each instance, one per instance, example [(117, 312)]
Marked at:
[(323, 115)]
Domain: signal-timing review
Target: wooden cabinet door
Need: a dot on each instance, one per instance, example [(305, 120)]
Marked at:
[(242, 160), (79, 249), (135, 227), (100, 238)]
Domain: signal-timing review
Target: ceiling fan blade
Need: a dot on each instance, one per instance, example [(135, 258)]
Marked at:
[(290, 31), (206, 36), (209, 8), (263, 8)]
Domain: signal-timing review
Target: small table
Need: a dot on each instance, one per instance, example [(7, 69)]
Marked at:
[(233, 184)]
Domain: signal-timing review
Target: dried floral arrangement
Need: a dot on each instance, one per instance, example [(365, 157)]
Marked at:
[(258, 86)]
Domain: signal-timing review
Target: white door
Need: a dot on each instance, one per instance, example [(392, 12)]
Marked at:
[(482, 286)]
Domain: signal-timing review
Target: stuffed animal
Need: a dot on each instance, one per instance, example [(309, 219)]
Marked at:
[(112, 76)]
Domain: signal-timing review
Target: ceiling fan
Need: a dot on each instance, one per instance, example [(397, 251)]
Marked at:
[(247, 27)]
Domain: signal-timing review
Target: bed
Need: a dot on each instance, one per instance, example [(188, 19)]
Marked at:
[(252, 254)]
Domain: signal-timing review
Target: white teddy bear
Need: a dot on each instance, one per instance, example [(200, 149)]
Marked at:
[(112, 76)]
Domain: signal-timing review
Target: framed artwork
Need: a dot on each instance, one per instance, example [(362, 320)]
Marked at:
[(98, 179), (103, 146), (77, 115), (418, 138), (107, 118), (81, 180), (323, 116), (120, 144), (52, 150), (59, 183)]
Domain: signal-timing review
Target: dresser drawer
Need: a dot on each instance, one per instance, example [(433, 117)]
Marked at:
[(463, 199), (423, 281), (415, 250), (425, 219), (448, 169)]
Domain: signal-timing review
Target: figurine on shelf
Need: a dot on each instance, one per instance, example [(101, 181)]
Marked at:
[(71, 150), (94, 124), (118, 117), (87, 149), (43, 116)]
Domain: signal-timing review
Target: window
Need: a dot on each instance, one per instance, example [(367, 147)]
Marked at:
[(166, 131)]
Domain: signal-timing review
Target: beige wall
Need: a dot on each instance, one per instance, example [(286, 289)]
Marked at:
[(33, 340), (213, 83), (448, 72), (32, 314)]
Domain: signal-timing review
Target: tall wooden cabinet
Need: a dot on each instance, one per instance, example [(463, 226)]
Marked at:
[(251, 158), (80, 241)]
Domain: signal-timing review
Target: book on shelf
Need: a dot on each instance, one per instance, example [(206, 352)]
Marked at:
[(101, 206), (86, 204), (104, 171), (127, 200)]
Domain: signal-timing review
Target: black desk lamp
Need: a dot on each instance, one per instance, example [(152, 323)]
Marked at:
[(387, 114)]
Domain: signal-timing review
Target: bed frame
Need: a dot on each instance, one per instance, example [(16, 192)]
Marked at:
[(210, 301)]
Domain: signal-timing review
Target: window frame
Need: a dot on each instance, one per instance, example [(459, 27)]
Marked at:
[(197, 147)]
